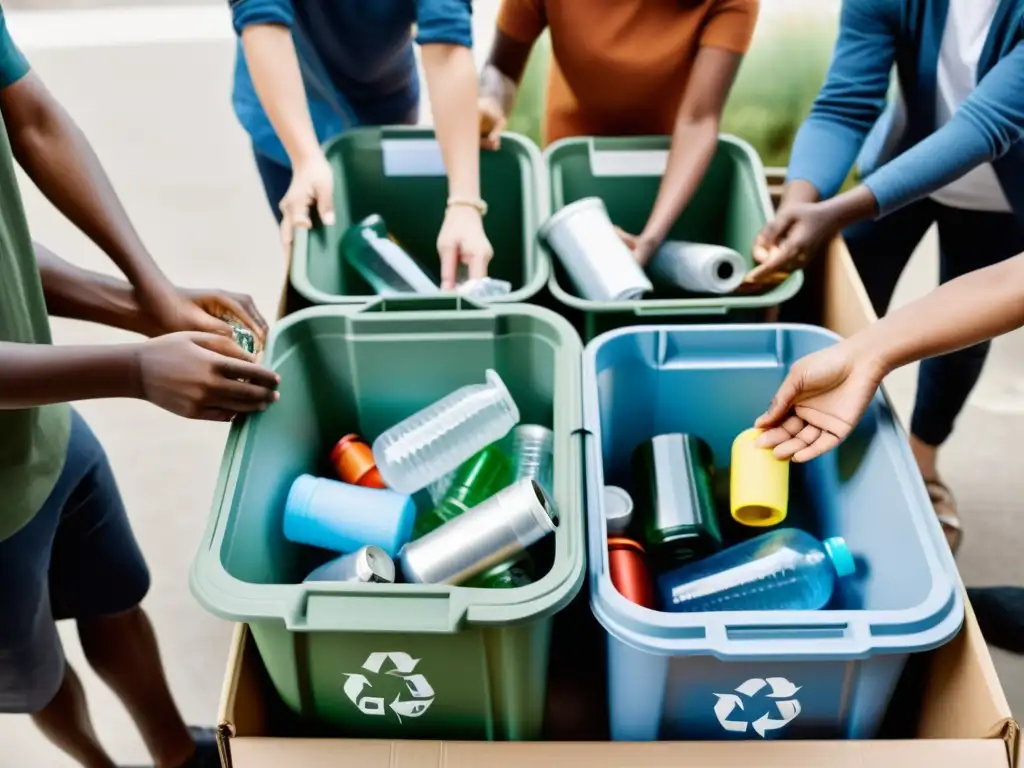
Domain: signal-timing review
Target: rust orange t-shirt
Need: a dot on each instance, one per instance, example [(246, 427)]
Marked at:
[(620, 67)]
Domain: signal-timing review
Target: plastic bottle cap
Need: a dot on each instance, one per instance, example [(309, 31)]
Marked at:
[(842, 558), (618, 508)]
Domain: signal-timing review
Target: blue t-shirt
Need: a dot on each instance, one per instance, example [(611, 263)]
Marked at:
[(356, 58)]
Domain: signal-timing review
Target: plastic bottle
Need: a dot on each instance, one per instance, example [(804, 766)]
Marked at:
[(532, 451), (785, 569), (382, 262), (432, 442), (475, 481)]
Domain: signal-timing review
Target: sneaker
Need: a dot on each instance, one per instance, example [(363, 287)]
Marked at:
[(206, 754)]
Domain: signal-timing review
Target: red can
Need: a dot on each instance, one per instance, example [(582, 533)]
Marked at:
[(353, 461), (628, 570)]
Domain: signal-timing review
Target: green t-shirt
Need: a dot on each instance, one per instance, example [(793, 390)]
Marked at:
[(34, 441)]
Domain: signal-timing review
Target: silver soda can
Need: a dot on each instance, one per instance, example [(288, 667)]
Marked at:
[(490, 533), (532, 455), (366, 565)]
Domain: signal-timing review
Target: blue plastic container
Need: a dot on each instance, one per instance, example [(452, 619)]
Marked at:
[(341, 517), (825, 674)]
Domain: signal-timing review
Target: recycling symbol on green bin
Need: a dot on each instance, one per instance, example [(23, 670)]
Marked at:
[(395, 665), (780, 691)]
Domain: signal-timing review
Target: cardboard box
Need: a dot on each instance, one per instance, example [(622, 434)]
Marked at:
[(949, 710)]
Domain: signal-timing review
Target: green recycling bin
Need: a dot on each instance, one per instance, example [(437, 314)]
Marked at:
[(730, 207), (394, 660), (398, 173)]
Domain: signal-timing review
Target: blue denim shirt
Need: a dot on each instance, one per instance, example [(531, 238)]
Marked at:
[(356, 59), (849, 119)]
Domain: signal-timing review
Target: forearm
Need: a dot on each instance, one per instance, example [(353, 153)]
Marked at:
[(451, 79), (693, 147), (80, 294), (41, 374), (276, 76), (971, 309), (55, 154)]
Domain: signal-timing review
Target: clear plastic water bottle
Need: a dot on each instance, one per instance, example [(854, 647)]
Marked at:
[(783, 570), (532, 450), (426, 446)]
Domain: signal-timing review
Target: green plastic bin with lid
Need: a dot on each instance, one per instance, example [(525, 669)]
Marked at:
[(394, 660), (729, 208), (398, 173)]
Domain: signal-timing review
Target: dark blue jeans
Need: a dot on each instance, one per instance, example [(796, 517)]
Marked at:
[(276, 178), (968, 240)]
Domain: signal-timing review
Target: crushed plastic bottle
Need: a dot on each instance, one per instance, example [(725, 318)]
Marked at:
[(434, 441), (782, 570)]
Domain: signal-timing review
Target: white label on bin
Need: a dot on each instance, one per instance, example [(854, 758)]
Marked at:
[(414, 698), (412, 157), (628, 162), (729, 707)]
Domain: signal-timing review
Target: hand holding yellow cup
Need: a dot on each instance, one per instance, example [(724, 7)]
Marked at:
[(759, 483)]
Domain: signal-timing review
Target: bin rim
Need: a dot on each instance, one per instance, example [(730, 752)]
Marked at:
[(448, 609), (298, 270), (827, 635), (711, 305)]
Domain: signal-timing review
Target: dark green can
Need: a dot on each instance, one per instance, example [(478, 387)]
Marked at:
[(674, 514)]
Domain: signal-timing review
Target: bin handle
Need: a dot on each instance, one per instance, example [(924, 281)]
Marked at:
[(446, 302), (376, 608), (716, 309)]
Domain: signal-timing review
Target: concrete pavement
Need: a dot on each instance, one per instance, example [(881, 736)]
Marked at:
[(160, 118)]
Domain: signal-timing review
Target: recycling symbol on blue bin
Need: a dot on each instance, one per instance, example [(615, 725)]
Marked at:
[(402, 667), (780, 691)]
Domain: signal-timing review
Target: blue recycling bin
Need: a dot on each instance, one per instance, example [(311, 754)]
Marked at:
[(825, 674)]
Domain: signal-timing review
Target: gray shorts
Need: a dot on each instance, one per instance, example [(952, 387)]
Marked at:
[(76, 559)]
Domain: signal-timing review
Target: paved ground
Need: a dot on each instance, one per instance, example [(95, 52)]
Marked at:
[(169, 140)]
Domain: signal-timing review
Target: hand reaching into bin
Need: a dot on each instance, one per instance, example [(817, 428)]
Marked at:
[(312, 186)]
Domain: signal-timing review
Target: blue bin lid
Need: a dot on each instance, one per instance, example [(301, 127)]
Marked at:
[(843, 634)]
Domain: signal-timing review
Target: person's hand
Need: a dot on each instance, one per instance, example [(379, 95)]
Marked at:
[(786, 243), (167, 309), (492, 122), (640, 246), (312, 186), (240, 306), (203, 376), (819, 403), (462, 241)]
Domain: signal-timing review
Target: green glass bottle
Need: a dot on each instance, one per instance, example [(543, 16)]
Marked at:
[(507, 575), (474, 481)]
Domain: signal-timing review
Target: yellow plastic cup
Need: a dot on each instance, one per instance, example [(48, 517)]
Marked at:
[(759, 483)]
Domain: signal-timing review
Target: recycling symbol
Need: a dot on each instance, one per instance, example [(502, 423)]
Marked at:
[(403, 667), (781, 691)]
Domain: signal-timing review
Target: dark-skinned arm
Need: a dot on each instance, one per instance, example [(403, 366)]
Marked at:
[(694, 141), (55, 154), (80, 294), (41, 374)]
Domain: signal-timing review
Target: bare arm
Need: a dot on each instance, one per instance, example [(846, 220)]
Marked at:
[(451, 79), (40, 374), (694, 140), (276, 76), (974, 308), (55, 154), (81, 294), (274, 68)]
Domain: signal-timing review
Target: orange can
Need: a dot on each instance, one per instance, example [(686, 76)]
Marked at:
[(628, 570), (353, 461)]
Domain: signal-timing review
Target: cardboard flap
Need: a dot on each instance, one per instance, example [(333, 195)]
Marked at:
[(321, 753)]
